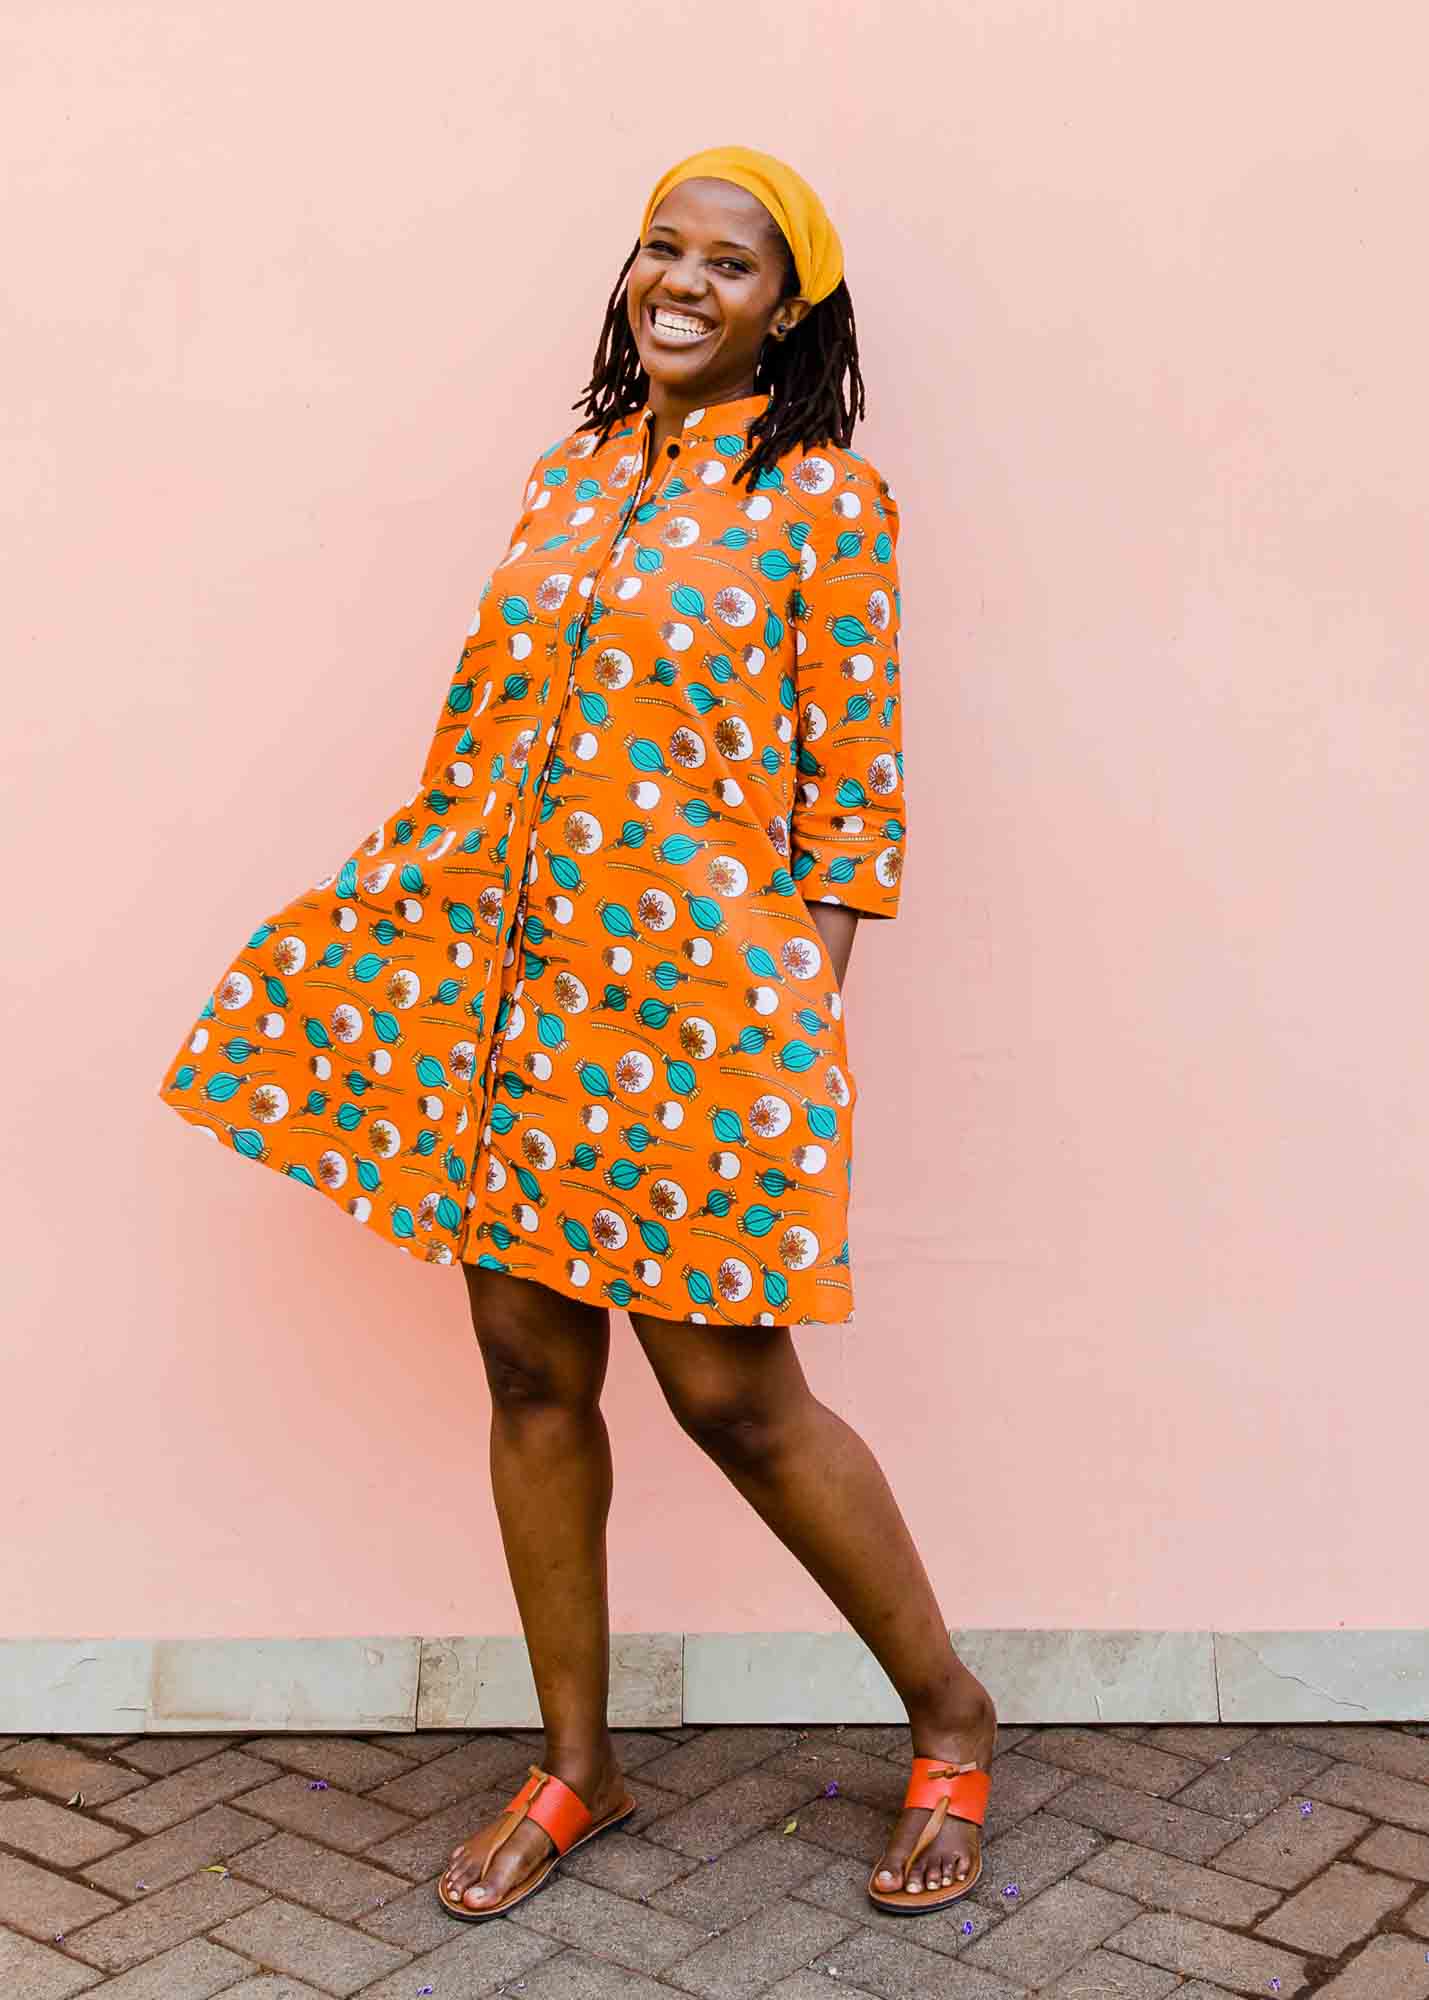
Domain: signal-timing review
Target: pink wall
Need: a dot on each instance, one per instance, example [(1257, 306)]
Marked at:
[(1144, 1127)]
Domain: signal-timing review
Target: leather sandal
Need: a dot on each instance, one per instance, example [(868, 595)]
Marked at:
[(952, 1794), (558, 1811)]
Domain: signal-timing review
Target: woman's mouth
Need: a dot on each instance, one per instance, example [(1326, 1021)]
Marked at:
[(676, 329)]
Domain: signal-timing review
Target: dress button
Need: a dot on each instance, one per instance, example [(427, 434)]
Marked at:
[(672, 451)]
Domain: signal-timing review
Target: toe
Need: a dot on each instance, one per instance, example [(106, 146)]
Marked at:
[(890, 1863), (462, 1877)]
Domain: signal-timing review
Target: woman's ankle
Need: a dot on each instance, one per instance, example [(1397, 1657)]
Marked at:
[(960, 1704), (595, 1753)]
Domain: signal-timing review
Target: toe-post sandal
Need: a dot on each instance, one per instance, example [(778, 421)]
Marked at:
[(560, 1812), (951, 1794)]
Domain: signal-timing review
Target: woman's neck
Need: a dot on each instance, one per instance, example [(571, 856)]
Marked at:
[(670, 412)]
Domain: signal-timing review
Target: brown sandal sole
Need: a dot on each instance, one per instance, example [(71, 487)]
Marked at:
[(530, 1883)]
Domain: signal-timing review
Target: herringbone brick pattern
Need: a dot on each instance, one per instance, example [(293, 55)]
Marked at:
[(1121, 1864)]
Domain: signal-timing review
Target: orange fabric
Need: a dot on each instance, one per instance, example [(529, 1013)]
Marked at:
[(565, 1012)]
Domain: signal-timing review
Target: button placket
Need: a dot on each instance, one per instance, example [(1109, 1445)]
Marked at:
[(518, 932)]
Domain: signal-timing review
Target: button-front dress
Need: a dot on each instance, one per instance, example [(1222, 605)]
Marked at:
[(565, 1013)]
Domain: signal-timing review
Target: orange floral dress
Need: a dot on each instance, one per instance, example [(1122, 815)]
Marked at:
[(566, 1013)]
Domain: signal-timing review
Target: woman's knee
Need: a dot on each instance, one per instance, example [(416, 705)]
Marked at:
[(737, 1392), (541, 1351), (733, 1420), (734, 1433), (521, 1377)]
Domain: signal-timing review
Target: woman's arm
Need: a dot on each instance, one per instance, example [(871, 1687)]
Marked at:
[(836, 924), (846, 822)]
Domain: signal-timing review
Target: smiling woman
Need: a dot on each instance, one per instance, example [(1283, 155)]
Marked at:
[(571, 1017), (665, 784)]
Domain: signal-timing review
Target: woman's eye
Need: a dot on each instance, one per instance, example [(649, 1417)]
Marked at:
[(725, 263)]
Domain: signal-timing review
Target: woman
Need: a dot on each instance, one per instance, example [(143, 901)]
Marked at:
[(572, 1016)]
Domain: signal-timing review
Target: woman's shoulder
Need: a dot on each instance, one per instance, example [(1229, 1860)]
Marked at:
[(561, 443), (845, 479), (556, 462), (562, 456)]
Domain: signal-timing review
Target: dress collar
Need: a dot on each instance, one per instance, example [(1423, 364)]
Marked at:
[(716, 421)]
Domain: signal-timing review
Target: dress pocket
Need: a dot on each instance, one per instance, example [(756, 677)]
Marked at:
[(839, 1071)]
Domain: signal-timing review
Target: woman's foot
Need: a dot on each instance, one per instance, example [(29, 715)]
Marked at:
[(594, 1776), (964, 1733)]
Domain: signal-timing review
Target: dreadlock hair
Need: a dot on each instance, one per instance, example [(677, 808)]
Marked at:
[(804, 374)]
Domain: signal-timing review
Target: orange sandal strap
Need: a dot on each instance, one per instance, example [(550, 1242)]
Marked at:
[(551, 1803), (938, 1786), (966, 1792)]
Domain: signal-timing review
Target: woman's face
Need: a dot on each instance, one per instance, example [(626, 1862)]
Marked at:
[(703, 292)]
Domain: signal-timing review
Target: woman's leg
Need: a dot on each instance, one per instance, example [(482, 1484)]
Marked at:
[(741, 1394), (545, 1358)]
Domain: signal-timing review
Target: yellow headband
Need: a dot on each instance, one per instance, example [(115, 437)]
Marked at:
[(818, 254)]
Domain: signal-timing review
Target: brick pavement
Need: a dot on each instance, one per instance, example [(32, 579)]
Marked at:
[(1121, 1864)]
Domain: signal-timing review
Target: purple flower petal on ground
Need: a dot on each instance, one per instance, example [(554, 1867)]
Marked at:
[(831, 1790), (1011, 1889), (1275, 1985), (967, 1927), (1305, 1808), (317, 1785)]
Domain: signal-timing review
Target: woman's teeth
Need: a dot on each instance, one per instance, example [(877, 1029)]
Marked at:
[(674, 326)]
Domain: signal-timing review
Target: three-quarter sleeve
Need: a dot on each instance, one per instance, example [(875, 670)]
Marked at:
[(846, 829)]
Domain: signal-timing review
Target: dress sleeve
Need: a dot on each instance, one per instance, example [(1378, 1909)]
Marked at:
[(846, 828)]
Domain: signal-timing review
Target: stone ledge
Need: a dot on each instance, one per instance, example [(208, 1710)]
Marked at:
[(1323, 1676), (659, 1680)]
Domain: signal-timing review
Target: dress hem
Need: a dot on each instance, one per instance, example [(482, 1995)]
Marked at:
[(420, 1247)]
